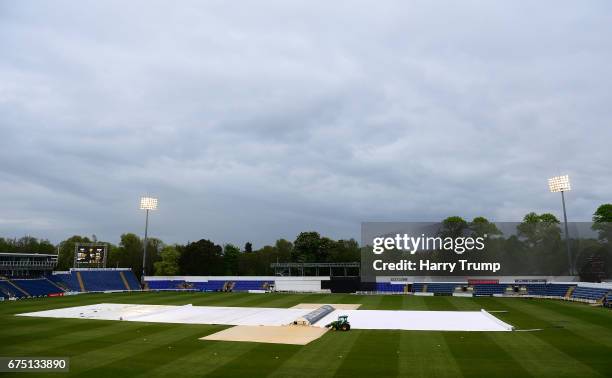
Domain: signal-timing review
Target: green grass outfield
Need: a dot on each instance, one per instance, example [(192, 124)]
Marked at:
[(576, 341)]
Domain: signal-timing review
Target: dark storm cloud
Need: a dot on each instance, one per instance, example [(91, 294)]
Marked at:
[(262, 119)]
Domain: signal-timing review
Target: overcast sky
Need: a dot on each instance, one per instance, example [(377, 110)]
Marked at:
[(255, 120)]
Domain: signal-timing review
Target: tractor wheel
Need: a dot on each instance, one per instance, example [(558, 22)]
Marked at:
[(345, 327)]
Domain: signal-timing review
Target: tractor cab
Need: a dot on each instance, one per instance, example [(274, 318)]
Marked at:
[(342, 324)]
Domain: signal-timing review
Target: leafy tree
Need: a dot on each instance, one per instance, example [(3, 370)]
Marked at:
[(154, 248), (453, 227), (248, 247), (45, 246), (346, 251), (201, 258), (543, 238), (306, 247), (284, 248), (230, 259), (5, 246), (536, 228), (65, 260), (602, 222), (169, 263), (27, 244), (128, 254), (481, 226), (603, 214)]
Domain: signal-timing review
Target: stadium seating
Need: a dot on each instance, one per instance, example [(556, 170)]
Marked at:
[(536, 289), (66, 280), (550, 290), (7, 290), (389, 287), (590, 293), (489, 289), (38, 287), (97, 280), (213, 285), (166, 285), (250, 285), (132, 280), (440, 288), (557, 290)]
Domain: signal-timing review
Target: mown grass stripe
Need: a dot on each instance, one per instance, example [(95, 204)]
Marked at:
[(258, 361), (368, 353), (104, 353), (426, 354), (596, 333), (75, 343), (165, 347), (541, 358), (321, 358), (30, 335), (564, 345), (475, 351), (200, 358)]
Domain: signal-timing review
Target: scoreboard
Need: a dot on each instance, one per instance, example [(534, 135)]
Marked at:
[(92, 255)]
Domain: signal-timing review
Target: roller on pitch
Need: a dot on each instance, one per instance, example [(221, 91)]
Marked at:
[(315, 315)]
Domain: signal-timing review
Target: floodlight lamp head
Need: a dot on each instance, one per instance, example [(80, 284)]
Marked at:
[(148, 203), (559, 184)]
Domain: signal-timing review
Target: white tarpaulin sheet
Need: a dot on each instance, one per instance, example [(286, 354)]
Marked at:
[(359, 319)]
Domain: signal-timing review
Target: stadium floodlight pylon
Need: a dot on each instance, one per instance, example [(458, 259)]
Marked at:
[(146, 203), (562, 184)]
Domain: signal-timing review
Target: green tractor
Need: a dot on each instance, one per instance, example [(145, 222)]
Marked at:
[(341, 324)]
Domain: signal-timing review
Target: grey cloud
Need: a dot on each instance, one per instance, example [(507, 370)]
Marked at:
[(260, 120)]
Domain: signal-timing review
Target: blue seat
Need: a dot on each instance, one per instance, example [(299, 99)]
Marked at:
[(441, 288), (388, 287), (37, 287), (250, 285), (590, 293), (489, 289), (7, 290)]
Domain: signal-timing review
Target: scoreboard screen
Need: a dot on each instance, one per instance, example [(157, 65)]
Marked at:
[(90, 255)]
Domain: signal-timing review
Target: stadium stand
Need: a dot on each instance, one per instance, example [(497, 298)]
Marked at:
[(65, 279), (536, 289), (166, 285), (210, 285), (589, 293), (438, 288), (213, 285), (102, 280), (132, 281), (251, 285), (389, 287), (489, 289), (558, 290), (7, 290), (38, 286), (96, 280)]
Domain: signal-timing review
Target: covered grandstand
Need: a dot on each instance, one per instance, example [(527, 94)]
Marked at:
[(530, 287), (70, 282)]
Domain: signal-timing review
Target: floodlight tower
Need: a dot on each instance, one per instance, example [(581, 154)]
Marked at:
[(146, 203), (562, 184)]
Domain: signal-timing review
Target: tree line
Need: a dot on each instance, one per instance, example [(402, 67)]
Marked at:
[(204, 257)]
